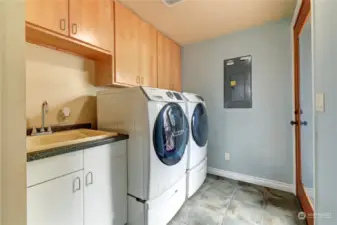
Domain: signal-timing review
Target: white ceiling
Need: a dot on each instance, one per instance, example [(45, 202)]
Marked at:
[(196, 20)]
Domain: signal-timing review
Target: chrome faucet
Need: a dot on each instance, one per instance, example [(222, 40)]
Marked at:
[(44, 110)]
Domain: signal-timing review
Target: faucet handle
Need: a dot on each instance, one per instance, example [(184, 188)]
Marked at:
[(34, 131), (49, 130)]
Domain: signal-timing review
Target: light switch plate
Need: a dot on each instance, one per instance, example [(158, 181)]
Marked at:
[(319, 102)]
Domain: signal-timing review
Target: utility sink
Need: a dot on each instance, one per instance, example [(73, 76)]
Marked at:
[(64, 138)]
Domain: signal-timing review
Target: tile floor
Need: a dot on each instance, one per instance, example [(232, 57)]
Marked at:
[(222, 201)]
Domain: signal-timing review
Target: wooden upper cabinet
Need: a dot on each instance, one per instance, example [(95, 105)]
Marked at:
[(176, 67), (135, 58), (52, 15), (91, 22), (169, 64), (127, 50), (126, 46), (164, 62), (147, 54)]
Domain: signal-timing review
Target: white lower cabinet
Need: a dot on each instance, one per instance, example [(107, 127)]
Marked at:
[(56, 202), (94, 195), (105, 192)]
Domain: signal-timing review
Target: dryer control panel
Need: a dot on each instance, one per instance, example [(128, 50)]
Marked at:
[(192, 97), (162, 95)]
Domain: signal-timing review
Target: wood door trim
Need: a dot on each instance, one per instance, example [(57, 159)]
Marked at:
[(302, 17), (306, 205)]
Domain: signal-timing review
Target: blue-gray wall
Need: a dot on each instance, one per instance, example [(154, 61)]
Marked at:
[(307, 148), (259, 140), (325, 73)]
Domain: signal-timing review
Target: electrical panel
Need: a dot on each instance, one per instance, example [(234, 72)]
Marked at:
[(238, 82)]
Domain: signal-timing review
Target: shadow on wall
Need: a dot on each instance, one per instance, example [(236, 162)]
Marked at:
[(83, 110), (53, 58), (63, 80)]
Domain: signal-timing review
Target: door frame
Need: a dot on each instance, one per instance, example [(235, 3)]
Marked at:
[(303, 15)]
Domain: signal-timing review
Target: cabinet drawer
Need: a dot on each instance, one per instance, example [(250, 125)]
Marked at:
[(46, 169)]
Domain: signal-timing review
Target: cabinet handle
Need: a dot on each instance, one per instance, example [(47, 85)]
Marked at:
[(75, 188), (63, 24), (142, 80), (91, 179), (74, 28), (137, 79)]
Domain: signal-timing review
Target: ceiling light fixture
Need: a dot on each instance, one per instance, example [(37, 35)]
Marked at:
[(170, 3)]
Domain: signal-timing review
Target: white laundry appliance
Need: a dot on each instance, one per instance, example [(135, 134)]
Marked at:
[(158, 130), (197, 144)]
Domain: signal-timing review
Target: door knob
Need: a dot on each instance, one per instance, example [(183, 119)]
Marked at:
[(304, 123), (293, 122)]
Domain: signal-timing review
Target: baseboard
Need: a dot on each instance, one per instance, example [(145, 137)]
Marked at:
[(252, 180)]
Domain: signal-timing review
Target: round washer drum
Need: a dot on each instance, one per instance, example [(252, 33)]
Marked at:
[(199, 125), (170, 134)]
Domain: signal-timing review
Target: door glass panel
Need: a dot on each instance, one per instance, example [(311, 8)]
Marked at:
[(170, 134), (199, 125)]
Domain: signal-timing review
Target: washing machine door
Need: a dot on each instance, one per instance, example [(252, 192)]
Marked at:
[(170, 134), (199, 125)]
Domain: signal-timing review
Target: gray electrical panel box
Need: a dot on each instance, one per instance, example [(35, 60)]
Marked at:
[(238, 82)]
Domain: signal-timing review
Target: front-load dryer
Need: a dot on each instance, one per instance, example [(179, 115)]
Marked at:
[(158, 130), (197, 145)]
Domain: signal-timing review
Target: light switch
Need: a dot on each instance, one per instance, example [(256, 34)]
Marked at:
[(319, 102)]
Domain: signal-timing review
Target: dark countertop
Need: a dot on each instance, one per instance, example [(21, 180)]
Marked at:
[(72, 148)]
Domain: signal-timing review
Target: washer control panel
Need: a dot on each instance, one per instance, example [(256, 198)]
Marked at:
[(169, 94), (156, 94), (192, 97)]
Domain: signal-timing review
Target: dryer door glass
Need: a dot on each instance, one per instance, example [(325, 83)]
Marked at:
[(199, 125), (170, 134)]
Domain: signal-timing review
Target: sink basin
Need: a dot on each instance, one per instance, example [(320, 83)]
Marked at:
[(64, 138)]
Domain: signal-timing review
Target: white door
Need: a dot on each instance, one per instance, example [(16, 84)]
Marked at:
[(105, 193), (55, 202)]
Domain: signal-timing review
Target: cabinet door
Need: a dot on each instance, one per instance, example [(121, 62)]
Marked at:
[(91, 22), (59, 201), (148, 54), (105, 193), (176, 67), (164, 62), (126, 45), (52, 15)]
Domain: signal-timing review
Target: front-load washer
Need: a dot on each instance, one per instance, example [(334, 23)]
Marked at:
[(197, 145), (158, 130)]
